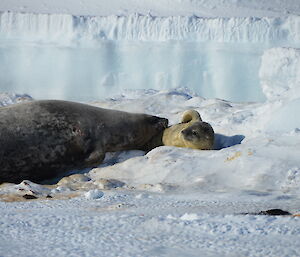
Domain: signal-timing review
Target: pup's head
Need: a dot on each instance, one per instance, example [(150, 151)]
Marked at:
[(199, 135)]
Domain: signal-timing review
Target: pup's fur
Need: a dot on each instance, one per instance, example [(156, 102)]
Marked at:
[(192, 132)]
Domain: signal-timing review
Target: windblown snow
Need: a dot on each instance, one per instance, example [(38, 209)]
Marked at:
[(236, 62)]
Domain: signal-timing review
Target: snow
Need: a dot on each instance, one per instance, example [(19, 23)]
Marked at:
[(170, 201), (206, 8), (236, 62), (144, 228)]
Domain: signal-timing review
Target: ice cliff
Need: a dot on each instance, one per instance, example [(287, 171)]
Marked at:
[(67, 28), (90, 57)]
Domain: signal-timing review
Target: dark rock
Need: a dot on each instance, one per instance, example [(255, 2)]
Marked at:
[(29, 197), (274, 212)]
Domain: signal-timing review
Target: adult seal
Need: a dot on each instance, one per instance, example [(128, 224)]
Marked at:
[(43, 139)]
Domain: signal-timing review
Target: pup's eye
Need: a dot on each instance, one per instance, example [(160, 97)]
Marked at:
[(195, 133)]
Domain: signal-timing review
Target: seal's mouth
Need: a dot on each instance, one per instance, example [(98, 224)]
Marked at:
[(164, 123)]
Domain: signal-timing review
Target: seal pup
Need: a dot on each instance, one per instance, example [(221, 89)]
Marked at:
[(40, 140), (192, 132)]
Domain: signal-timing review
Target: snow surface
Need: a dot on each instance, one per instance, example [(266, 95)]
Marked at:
[(169, 201), (204, 8), (119, 224)]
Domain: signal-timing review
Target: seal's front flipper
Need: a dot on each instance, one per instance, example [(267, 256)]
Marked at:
[(95, 158), (190, 115)]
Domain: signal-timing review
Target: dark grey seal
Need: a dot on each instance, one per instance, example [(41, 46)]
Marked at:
[(42, 139)]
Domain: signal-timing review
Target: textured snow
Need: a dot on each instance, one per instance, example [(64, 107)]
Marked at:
[(170, 201), (118, 224)]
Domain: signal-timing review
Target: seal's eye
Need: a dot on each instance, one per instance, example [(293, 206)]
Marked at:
[(195, 133)]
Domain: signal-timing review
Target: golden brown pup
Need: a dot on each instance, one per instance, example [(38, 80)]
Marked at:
[(192, 132)]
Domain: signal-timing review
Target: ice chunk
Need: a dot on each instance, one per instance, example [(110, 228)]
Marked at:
[(93, 194), (189, 216), (7, 99), (286, 118), (280, 73)]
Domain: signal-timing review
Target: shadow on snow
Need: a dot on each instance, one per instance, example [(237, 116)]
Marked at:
[(222, 141)]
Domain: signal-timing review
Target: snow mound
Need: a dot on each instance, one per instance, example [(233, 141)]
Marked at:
[(7, 99), (280, 73), (25, 190), (233, 168)]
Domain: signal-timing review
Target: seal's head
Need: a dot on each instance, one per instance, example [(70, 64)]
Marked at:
[(199, 135)]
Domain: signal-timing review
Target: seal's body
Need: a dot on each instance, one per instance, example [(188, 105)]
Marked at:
[(192, 132), (42, 139)]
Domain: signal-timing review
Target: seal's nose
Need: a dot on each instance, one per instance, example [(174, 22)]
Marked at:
[(164, 122), (159, 123), (183, 132)]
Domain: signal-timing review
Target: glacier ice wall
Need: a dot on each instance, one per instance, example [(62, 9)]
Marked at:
[(64, 28), (84, 57)]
